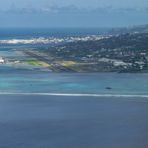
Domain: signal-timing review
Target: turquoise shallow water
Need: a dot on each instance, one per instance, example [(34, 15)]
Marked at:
[(84, 83)]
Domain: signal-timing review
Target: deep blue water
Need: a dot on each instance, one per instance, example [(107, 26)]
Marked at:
[(72, 122), (10, 33)]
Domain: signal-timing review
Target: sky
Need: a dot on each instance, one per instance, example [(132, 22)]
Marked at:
[(73, 13), (78, 3)]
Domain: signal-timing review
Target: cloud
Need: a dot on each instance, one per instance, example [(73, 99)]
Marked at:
[(72, 16), (71, 9)]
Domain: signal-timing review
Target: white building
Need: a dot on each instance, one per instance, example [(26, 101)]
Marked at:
[(1, 60)]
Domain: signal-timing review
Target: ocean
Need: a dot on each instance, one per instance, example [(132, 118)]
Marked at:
[(73, 83), (42, 109), (72, 122)]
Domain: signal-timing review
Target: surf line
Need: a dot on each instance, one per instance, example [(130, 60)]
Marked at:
[(75, 95)]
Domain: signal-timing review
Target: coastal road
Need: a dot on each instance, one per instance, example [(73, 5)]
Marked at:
[(73, 122)]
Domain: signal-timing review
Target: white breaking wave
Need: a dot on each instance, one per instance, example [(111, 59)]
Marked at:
[(30, 41), (77, 95), (50, 40)]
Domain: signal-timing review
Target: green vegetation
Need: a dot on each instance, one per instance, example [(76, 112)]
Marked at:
[(37, 63), (117, 53)]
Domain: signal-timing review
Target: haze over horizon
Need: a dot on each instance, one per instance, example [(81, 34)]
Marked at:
[(73, 13)]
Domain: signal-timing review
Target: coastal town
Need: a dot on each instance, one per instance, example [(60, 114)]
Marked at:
[(126, 52), (120, 53)]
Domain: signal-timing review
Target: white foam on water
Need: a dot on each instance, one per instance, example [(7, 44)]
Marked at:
[(43, 40), (77, 95), (29, 41)]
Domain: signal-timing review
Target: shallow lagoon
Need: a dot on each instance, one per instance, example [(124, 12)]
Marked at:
[(22, 81)]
